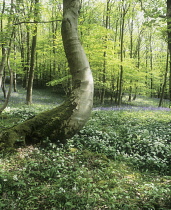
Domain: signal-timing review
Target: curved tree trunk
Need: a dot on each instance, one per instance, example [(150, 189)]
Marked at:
[(64, 121)]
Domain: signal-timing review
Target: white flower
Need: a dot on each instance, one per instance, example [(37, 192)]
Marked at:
[(74, 188), (15, 178), (61, 189), (7, 109)]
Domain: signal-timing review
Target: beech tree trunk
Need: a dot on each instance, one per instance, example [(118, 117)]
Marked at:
[(165, 80), (2, 65), (124, 11), (33, 54), (169, 42), (64, 121), (10, 87), (3, 55), (107, 25)]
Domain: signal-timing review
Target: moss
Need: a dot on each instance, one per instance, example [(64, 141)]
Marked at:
[(8, 138), (46, 124)]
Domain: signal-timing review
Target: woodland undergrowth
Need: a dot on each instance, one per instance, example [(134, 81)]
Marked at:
[(120, 160)]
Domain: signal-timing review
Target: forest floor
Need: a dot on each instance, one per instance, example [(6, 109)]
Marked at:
[(120, 160)]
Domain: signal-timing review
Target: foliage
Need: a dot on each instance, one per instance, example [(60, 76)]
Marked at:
[(54, 177), (141, 137), (119, 160), (145, 44)]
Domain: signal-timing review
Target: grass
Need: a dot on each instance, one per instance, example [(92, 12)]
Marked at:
[(120, 160)]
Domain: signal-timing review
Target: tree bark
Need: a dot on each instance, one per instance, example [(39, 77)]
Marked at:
[(14, 72), (10, 87), (32, 60), (3, 59), (3, 85), (107, 26), (124, 10), (10, 72), (131, 28), (121, 59), (169, 41), (64, 121), (2, 64), (165, 80)]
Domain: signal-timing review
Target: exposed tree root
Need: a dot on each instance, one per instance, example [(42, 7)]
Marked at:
[(52, 123)]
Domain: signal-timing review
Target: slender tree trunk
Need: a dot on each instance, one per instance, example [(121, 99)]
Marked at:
[(6, 53), (169, 42), (11, 74), (10, 87), (125, 8), (15, 81), (54, 30), (117, 90), (25, 54), (32, 60), (115, 44), (102, 96), (2, 63), (27, 59), (64, 121), (146, 65), (3, 85), (121, 59), (130, 92), (14, 72), (151, 66), (105, 53), (137, 54), (131, 27), (135, 94), (165, 79)]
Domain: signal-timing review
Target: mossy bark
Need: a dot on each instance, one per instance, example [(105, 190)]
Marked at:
[(52, 123)]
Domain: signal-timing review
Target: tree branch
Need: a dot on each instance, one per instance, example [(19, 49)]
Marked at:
[(36, 22)]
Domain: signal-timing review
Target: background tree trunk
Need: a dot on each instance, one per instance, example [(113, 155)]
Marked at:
[(169, 41), (64, 121), (165, 80), (10, 86), (32, 60), (3, 59), (124, 10)]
